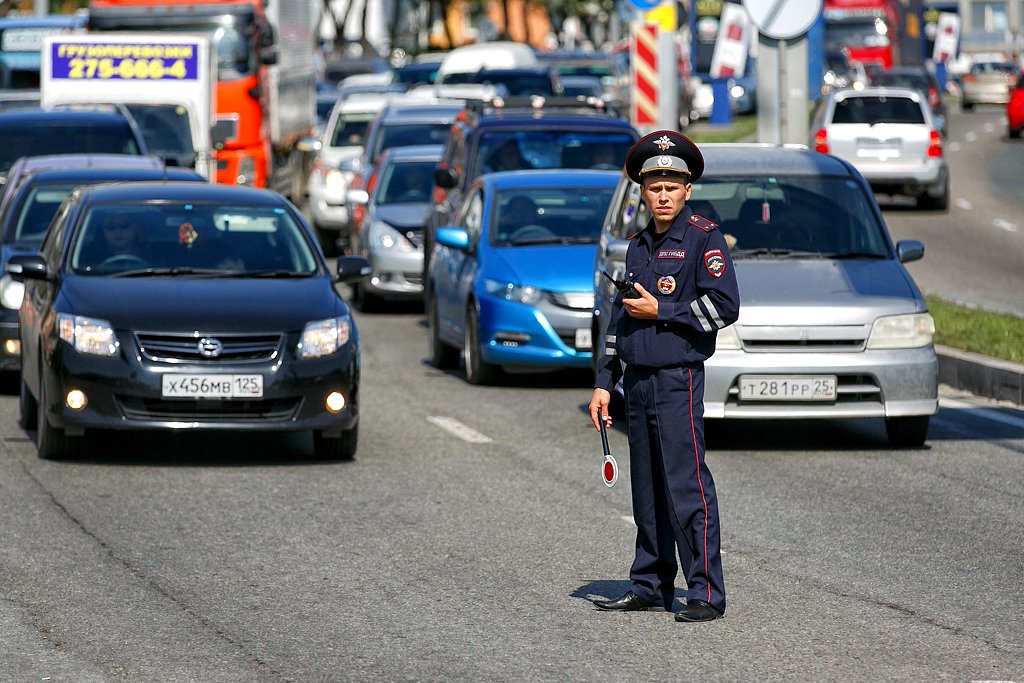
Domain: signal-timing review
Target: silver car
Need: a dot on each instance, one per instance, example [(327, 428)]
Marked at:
[(988, 83), (891, 137), (831, 324)]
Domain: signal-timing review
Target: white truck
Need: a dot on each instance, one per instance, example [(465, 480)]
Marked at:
[(167, 82)]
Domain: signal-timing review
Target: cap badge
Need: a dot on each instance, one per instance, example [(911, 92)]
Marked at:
[(664, 161), (667, 284), (664, 143)]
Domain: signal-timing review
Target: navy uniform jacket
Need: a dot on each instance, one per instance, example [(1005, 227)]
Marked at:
[(692, 277)]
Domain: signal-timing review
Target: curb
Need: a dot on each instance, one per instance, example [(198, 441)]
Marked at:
[(981, 375)]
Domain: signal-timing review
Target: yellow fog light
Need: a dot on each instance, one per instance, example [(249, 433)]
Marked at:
[(12, 346), (335, 402), (76, 399)]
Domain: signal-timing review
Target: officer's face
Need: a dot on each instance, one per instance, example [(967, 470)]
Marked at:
[(666, 197)]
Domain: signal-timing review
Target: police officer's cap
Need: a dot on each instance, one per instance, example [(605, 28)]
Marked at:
[(664, 153)]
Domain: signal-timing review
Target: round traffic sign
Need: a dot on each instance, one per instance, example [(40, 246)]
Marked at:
[(783, 19)]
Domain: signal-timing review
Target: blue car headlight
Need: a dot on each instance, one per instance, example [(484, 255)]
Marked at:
[(508, 291)]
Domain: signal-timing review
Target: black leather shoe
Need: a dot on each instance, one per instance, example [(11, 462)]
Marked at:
[(629, 602), (698, 610)]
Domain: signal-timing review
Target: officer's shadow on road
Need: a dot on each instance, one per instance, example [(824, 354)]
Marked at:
[(609, 590)]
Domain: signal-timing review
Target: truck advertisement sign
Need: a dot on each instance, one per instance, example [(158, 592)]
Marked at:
[(116, 60)]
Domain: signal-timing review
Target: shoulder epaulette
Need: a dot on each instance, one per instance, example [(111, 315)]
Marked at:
[(703, 223), (634, 234)]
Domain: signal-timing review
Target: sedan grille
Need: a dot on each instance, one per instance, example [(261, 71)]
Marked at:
[(150, 409), (186, 347)]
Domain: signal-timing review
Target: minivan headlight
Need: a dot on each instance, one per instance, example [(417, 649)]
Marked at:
[(508, 291), (324, 337), (728, 340), (88, 335), (11, 292), (902, 331)]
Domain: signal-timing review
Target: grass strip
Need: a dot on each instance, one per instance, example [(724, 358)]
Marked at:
[(742, 126), (997, 335)]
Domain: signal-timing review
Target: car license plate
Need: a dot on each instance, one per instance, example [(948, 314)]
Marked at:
[(211, 386), (787, 387), (583, 340)]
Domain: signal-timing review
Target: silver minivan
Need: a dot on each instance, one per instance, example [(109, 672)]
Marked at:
[(831, 324)]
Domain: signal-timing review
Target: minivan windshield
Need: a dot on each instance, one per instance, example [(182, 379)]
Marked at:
[(175, 239), (407, 134), (549, 216), (166, 130), (407, 182)]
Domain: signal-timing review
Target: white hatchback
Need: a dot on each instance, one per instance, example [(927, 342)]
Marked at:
[(890, 136)]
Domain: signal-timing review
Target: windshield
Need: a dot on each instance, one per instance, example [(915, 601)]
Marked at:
[(166, 131), (350, 130), (41, 137), (549, 216), (791, 216), (517, 85), (519, 150), (867, 32), (236, 56), (912, 81), (407, 182), (407, 134), (877, 110), (180, 239), (37, 211)]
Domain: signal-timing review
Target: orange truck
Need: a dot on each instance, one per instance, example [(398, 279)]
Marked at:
[(266, 101)]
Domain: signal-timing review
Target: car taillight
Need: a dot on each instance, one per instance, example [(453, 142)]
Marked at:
[(970, 78), (821, 141), (935, 147), (933, 96), (1011, 79)]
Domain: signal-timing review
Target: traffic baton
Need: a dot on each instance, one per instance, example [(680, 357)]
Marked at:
[(609, 468)]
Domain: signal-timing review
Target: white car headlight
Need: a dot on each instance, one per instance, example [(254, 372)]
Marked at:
[(728, 340), (902, 332), (335, 181), (88, 335), (324, 337), (383, 236), (737, 91), (11, 292), (524, 294)]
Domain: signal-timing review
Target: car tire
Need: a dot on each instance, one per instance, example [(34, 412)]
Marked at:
[(363, 300), (966, 106), (51, 443), (28, 408), (442, 355), (1014, 133), (926, 202), (907, 432), (328, 241), (478, 371), (342, 448)]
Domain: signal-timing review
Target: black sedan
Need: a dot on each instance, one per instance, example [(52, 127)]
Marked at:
[(180, 305)]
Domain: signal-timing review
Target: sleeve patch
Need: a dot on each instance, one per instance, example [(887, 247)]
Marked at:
[(714, 261), (703, 223)]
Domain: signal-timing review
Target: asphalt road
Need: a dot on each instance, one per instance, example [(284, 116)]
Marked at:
[(974, 254), (469, 550)]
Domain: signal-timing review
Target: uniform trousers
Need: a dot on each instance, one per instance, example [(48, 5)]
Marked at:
[(674, 501)]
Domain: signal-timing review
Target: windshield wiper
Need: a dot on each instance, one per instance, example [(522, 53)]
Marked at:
[(855, 255), (763, 251), (555, 240), (175, 270), (269, 273)]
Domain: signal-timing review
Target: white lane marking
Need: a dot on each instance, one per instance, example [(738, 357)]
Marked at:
[(953, 147), (964, 204), (988, 128), (450, 424), (1005, 225), (992, 682), (629, 519), (971, 136), (1003, 121), (985, 413)]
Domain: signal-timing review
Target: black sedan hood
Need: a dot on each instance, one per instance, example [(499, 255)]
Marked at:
[(180, 304)]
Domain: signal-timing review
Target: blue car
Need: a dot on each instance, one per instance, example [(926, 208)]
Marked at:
[(512, 280)]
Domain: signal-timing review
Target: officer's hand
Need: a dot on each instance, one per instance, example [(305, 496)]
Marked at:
[(645, 308), (600, 400)]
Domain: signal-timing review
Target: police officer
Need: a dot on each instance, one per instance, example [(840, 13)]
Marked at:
[(680, 266)]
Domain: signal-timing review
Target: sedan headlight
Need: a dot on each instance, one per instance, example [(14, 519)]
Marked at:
[(737, 91), (902, 332), (335, 181), (324, 337), (728, 340), (383, 236), (88, 335), (508, 291), (11, 292)]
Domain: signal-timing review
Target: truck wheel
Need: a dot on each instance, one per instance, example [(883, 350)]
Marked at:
[(328, 241), (1014, 133), (907, 432), (967, 106), (343, 448)]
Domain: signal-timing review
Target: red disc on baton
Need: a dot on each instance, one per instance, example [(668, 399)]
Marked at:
[(610, 471)]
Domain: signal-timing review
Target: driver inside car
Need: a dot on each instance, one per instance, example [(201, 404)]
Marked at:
[(120, 245)]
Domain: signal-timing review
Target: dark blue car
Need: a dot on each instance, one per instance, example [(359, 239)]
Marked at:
[(512, 280)]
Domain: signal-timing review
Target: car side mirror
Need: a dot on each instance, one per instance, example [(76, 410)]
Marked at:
[(351, 165), (453, 238), (357, 197), (27, 267), (909, 250), (445, 178), (268, 56), (222, 131), (353, 268)]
